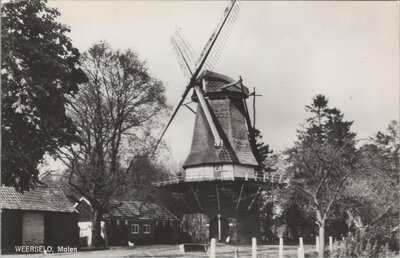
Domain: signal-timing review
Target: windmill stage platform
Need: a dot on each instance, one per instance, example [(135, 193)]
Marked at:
[(221, 208)]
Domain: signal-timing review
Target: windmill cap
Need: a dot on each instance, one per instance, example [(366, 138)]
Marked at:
[(219, 84)]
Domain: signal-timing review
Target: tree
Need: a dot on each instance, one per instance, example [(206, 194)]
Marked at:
[(262, 150), (40, 70), (115, 113), (322, 161), (375, 193)]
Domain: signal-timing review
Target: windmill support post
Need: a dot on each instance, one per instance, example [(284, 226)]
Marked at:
[(240, 196), (254, 199), (196, 197), (219, 205)]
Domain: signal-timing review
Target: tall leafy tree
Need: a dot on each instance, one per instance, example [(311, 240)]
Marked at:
[(115, 114), (322, 161), (39, 71), (374, 195)]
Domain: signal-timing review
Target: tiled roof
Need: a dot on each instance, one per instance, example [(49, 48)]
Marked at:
[(140, 211), (39, 199)]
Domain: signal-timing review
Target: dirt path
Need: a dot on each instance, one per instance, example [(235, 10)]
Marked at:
[(263, 251)]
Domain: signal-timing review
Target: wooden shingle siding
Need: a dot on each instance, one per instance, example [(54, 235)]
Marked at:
[(228, 112)]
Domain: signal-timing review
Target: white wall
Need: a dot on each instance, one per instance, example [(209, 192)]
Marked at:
[(85, 230), (224, 171)]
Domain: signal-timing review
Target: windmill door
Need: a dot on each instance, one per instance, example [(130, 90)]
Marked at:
[(219, 228)]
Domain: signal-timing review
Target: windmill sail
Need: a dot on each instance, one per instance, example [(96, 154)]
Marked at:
[(212, 50), (186, 66), (222, 31), (186, 48)]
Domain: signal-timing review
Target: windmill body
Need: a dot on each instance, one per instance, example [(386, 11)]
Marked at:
[(216, 196), (234, 158), (217, 193)]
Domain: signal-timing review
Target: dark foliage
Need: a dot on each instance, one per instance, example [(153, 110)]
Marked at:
[(40, 69), (263, 150)]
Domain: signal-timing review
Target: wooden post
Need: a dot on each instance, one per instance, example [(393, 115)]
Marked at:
[(280, 247), (387, 249), (317, 243), (330, 246), (212, 248), (254, 247), (236, 253), (301, 248), (219, 227)]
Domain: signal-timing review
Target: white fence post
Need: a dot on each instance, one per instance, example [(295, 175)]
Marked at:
[(254, 247), (330, 246), (317, 243), (301, 248), (280, 247), (212, 248)]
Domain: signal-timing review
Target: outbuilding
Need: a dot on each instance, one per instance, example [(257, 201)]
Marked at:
[(134, 222), (42, 217)]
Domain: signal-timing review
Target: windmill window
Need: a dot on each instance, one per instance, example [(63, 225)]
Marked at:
[(218, 168), (146, 228), (135, 228)]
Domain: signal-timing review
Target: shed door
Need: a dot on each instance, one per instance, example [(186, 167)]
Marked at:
[(32, 228)]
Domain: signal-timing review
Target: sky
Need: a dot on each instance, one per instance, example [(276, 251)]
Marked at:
[(290, 51)]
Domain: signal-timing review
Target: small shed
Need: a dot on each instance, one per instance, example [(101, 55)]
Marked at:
[(40, 217), (141, 223)]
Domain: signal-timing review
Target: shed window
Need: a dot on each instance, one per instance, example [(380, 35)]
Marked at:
[(135, 228), (218, 168), (146, 228)]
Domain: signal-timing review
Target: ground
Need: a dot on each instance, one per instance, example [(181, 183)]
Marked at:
[(174, 251)]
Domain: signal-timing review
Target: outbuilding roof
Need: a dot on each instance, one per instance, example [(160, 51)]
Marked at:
[(39, 199), (140, 211)]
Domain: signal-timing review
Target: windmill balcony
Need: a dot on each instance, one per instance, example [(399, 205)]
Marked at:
[(219, 172), (265, 177), (260, 177)]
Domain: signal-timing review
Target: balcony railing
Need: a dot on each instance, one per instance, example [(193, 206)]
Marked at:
[(259, 177)]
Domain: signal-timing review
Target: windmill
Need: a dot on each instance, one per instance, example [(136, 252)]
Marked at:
[(222, 180)]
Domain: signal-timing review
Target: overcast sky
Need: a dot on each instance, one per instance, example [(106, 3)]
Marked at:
[(289, 51)]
